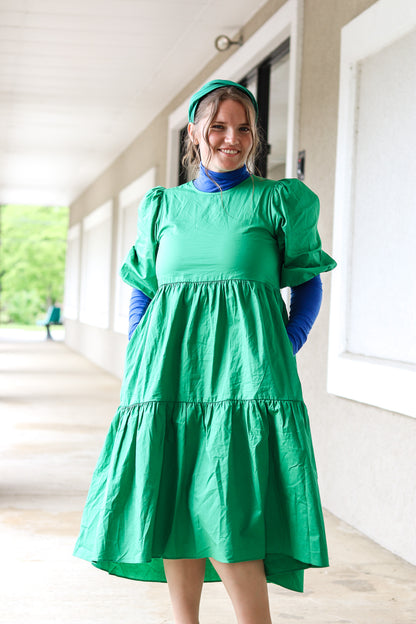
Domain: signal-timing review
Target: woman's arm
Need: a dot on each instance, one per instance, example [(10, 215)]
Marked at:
[(138, 306), (305, 303)]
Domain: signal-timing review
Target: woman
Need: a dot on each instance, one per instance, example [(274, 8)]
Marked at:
[(208, 470)]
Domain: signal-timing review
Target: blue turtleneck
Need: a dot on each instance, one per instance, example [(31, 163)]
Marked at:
[(305, 300), (224, 180)]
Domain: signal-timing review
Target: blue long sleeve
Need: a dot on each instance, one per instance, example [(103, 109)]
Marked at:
[(214, 181), (305, 303), (138, 306)]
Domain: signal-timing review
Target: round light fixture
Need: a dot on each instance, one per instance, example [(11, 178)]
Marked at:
[(223, 43)]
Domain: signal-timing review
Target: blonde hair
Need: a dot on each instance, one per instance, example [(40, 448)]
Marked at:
[(211, 103)]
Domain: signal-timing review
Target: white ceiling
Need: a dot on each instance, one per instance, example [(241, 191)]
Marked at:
[(80, 79)]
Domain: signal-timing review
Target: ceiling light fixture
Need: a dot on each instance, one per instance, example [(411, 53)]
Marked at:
[(223, 43)]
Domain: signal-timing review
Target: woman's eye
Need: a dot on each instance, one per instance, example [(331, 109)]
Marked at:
[(245, 129), (217, 127)]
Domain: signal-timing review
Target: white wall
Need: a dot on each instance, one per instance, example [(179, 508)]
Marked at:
[(100, 330), (96, 267), (129, 200), (72, 272), (365, 454), (372, 349), (384, 210)]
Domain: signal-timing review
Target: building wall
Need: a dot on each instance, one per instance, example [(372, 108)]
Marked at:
[(106, 347), (365, 455)]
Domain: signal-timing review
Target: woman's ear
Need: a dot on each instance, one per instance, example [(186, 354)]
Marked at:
[(192, 133)]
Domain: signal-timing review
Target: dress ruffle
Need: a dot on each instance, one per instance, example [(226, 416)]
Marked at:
[(233, 480), (211, 341)]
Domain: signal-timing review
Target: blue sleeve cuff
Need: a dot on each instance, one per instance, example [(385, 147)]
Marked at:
[(305, 303), (138, 306)]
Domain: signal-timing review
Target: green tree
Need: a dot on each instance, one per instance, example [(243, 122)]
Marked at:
[(32, 260)]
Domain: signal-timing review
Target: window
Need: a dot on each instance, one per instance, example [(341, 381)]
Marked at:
[(269, 82), (372, 355), (96, 266)]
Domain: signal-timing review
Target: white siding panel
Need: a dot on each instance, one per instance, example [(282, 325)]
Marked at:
[(96, 267), (72, 270), (372, 353), (129, 200), (383, 251)]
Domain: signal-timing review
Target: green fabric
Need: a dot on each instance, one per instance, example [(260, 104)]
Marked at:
[(211, 86), (210, 452)]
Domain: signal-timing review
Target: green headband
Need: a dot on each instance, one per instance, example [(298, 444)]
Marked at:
[(211, 86)]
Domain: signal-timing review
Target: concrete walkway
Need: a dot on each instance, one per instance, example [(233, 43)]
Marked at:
[(55, 410)]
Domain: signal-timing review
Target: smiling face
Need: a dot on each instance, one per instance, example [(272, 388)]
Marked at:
[(226, 143)]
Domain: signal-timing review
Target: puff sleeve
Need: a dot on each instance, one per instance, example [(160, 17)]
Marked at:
[(139, 268), (302, 256)]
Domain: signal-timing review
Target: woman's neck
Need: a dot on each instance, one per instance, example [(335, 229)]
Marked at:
[(216, 181)]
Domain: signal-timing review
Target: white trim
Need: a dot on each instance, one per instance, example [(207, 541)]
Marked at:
[(138, 188), (383, 383), (72, 273), (97, 318), (134, 192), (377, 27), (74, 232), (286, 22), (97, 216)]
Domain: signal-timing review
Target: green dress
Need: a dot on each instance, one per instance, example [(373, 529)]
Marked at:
[(210, 452)]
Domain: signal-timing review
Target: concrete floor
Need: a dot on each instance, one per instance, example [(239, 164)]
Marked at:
[(55, 410)]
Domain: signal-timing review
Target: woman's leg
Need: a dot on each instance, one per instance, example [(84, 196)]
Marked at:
[(185, 579), (246, 585)]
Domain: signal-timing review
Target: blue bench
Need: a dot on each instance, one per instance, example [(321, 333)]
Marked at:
[(53, 317)]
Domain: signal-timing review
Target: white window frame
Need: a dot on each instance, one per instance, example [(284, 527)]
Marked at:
[(96, 318), (72, 273), (286, 22), (134, 192), (383, 383)]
